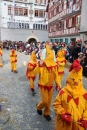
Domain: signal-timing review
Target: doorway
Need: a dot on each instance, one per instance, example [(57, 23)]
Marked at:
[(32, 40)]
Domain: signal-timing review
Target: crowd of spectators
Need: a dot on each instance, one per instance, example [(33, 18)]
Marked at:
[(73, 50)]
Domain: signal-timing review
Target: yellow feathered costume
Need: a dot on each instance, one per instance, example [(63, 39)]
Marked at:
[(1, 60), (13, 60), (70, 104), (47, 75), (61, 61), (30, 70)]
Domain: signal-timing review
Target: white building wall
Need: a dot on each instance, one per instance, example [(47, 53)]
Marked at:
[(22, 34), (6, 17), (17, 35)]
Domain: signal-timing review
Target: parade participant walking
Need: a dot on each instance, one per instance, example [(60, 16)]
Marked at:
[(70, 104), (1, 60), (47, 75), (30, 71), (61, 64), (13, 61)]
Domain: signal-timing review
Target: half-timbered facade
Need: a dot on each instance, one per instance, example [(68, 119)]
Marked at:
[(64, 18)]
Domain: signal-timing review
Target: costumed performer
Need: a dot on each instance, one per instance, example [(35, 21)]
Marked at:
[(1, 60), (13, 61), (47, 75), (70, 104), (61, 61), (30, 71)]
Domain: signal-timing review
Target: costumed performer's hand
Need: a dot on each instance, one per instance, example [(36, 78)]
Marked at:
[(83, 123), (58, 88), (35, 65), (41, 62), (66, 117)]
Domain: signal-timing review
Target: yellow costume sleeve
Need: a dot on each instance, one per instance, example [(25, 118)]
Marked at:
[(57, 105), (57, 79), (61, 64), (84, 116)]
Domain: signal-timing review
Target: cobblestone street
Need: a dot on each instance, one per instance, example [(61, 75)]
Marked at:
[(18, 104)]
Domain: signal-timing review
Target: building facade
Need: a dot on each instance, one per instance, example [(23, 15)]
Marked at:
[(83, 27), (64, 17), (20, 18)]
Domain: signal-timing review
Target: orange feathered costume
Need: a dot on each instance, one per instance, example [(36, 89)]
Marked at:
[(70, 104)]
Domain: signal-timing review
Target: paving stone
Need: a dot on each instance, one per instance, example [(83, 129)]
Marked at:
[(19, 106)]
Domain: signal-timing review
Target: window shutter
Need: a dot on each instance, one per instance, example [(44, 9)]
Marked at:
[(75, 21), (62, 25), (74, 1), (67, 22)]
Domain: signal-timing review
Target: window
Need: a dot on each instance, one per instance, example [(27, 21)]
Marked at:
[(25, 0), (60, 25), (41, 13), (25, 12), (65, 24), (36, 13), (36, 1), (54, 28), (9, 10), (20, 11), (70, 22), (16, 11), (27, 26), (38, 26), (50, 15), (44, 1), (60, 8), (20, 25), (78, 21), (46, 27), (41, 1), (34, 26), (41, 26), (55, 11), (50, 28)]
